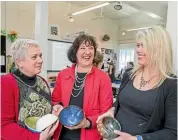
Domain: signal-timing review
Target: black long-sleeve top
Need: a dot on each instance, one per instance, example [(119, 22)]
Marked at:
[(162, 124), (68, 134)]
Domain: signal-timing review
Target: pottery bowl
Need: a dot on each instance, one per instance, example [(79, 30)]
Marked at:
[(71, 116), (106, 127)]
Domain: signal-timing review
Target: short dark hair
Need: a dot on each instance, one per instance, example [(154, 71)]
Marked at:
[(131, 63), (84, 38)]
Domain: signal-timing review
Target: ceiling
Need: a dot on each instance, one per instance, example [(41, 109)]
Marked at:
[(149, 11), (109, 11), (134, 14), (114, 14)]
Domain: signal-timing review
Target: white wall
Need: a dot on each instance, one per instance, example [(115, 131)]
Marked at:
[(20, 16), (172, 28)]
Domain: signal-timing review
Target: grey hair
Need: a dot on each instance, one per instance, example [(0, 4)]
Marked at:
[(20, 46)]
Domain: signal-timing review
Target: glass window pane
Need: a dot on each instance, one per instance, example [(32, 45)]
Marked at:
[(125, 55)]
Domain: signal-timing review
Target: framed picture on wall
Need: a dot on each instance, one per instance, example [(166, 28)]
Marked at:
[(107, 51), (103, 50), (54, 30)]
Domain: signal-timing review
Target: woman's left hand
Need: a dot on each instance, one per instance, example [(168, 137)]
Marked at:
[(124, 136), (83, 124)]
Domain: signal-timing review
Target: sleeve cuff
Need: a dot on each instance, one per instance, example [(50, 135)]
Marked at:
[(58, 103), (139, 137), (90, 126), (61, 103)]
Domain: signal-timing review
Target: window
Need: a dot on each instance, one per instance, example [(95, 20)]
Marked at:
[(125, 55)]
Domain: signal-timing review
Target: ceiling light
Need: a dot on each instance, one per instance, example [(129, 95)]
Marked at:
[(123, 33), (71, 19), (153, 15), (90, 8), (135, 29), (118, 6)]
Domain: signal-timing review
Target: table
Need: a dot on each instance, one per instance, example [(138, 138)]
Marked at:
[(117, 86)]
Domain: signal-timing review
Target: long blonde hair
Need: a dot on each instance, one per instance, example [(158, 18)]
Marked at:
[(158, 44)]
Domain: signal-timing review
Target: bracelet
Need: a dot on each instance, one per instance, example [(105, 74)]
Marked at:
[(139, 137)]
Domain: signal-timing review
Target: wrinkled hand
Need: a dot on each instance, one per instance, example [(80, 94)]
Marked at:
[(49, 131), (110, 112), (124, 136), (57, 109), (83, 124)]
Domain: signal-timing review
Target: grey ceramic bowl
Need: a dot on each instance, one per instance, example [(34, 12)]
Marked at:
[(106, 127)]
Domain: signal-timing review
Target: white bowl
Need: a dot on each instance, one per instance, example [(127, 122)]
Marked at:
[(45, 121)]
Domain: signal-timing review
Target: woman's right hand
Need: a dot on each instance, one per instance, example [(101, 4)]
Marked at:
[(49, 131), (110, 112), (57, 109)]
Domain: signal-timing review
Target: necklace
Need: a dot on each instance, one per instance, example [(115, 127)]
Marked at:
[(145, 82), (33, 86), (79, 80)]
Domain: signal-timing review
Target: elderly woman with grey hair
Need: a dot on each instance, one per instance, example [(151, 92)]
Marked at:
[(25, 94)]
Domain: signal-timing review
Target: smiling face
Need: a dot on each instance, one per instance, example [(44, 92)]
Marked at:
[(31, 64), (142, 54), (85, 54), (154, 49)]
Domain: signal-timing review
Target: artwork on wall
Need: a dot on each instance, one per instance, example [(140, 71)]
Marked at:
[(109, 51), (54, 30), (103, 51)]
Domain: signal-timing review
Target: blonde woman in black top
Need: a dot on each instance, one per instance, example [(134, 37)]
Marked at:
[(146, 106)]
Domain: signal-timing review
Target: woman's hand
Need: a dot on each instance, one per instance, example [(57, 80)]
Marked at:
[(124, 136), (49, 131), (110, 112), (83, 124), (57, 109)]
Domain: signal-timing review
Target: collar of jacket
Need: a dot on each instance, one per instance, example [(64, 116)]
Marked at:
[(72, 71)]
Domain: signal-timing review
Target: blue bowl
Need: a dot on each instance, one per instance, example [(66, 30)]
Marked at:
[(71, 116), (30, 123)]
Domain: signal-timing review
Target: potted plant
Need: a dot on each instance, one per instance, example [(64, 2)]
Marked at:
[(12, 35)]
